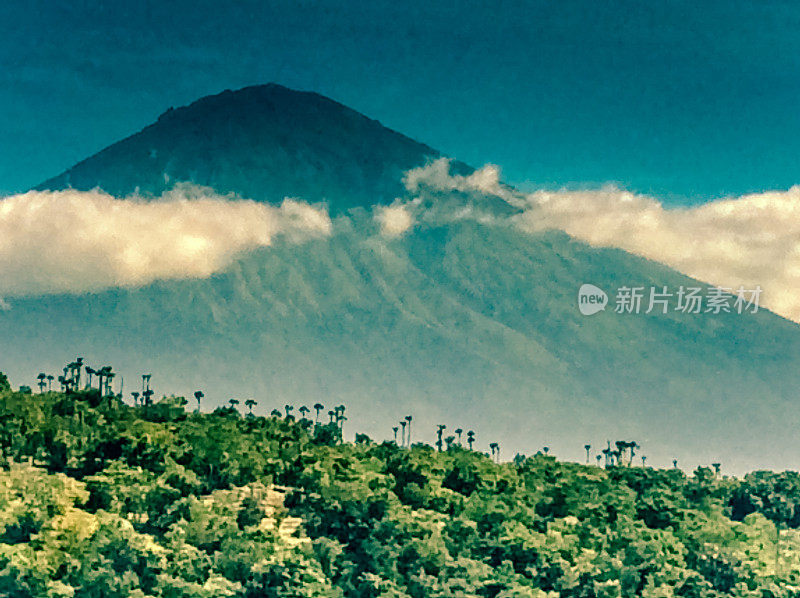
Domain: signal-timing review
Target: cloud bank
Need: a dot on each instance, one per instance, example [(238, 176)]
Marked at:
[(72, 241), (750, 240)]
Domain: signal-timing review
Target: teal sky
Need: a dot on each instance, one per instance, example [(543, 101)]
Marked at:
[(684, 100)]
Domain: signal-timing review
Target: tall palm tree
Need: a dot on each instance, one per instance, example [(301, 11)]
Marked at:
[(675, 463), (621, 448), (403, 424), (394, 429), (633, 446), (303, 411), (598, 458), (288, 409), (495, 451), (587, 448), (439, 430), (233, 403), (408, 438), (470, 439), (317, 408), (78, 369), (458, 432), (109, 376), (198, 396), (50, 379), (717, 467), (331, 415), (89, 373), (100, 373), (250, 403), (135, 396), (644, 461), (41, 378)]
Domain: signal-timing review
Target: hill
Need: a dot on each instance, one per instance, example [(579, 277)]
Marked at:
[(101, 498)]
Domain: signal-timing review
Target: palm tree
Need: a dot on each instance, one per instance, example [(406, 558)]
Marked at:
[(250, 403), (633, 445), (100, 374), (495, 451), (288, 409), (233, 403), (408, 438), (135, 396), (621, 448), (598, 457), (675, 463), (41, 378), (146, 382), (546, 450), (470, 439), (394, 429), (587, 448), (109, 376), (90, 372), (717, 467), (403, 424), (275, 413), (439, 429), (147, 397), (198, 396), (458, 432), (644, 461), (50, 379), (318, 407), (78, 368), (303, 411), (448, 442), (331, 415)]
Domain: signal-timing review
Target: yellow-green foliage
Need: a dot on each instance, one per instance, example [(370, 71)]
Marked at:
[(101, 499)]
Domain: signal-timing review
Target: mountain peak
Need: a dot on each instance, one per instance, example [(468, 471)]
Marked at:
[(263, 142)]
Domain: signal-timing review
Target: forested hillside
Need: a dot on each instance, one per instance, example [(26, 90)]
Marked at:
[(102, 498)]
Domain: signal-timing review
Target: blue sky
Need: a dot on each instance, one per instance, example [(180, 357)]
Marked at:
[(684, 100)]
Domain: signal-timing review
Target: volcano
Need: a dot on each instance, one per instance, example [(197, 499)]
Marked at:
[(457, 321)]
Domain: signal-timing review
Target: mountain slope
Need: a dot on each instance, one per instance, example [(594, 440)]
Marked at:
[(464, 321)]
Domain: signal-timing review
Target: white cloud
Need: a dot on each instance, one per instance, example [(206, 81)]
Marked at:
[(750, 240), (71, 241), (437, 175), (394, 220)]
